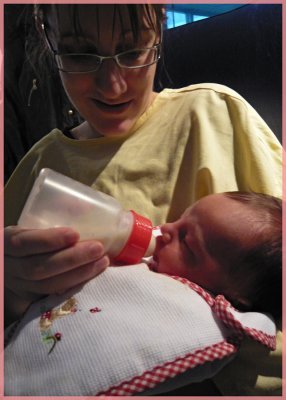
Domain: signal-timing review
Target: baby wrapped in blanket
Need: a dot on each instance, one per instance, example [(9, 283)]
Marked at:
[(133, 330)]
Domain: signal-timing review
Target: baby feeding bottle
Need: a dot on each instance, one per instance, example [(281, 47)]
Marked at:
[(57, 200)]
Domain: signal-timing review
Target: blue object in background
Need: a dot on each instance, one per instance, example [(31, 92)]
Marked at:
[(181, 14)]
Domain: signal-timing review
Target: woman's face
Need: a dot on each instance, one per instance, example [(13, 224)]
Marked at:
[(112, 98)]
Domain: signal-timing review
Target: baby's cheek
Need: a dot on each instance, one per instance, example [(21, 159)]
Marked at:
[(169, 264)]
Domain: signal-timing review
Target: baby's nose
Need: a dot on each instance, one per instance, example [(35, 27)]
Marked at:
[(167, 231), (161, 242), (166, 237)]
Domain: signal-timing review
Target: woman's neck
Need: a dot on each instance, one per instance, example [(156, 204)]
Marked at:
[(84, 132)]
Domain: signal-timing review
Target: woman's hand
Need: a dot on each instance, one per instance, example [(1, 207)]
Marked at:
[(39, 262)]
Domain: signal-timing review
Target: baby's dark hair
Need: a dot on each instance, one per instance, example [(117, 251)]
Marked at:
[(258, 271)]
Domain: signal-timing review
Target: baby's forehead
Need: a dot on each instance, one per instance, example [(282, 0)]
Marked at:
[(222, 215), (204, 203), (187, 212)]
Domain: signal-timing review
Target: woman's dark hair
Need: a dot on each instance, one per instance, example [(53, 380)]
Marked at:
[(258, 271), (154, 14)]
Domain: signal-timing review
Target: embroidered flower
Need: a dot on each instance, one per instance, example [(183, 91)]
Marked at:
[(49, 316)]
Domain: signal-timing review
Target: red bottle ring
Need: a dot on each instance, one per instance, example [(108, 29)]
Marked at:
[(138, 241)]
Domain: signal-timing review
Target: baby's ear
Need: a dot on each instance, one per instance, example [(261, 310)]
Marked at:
[(242, 304)]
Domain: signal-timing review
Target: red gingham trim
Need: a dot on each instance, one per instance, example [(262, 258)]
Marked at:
[(205, 295), (223, 308), (159, 374)]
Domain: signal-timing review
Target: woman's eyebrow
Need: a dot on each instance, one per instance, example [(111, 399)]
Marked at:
[(69, 41), (69, 36)]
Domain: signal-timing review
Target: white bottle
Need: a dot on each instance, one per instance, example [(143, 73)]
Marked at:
[(57, 200)]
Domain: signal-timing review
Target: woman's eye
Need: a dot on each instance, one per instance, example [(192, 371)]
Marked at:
[(133, 54)]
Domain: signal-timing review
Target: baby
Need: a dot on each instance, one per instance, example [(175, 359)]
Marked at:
[(230, 244)]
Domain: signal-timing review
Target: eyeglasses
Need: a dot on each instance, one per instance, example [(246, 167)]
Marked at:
[(82, 63), (74, 63)]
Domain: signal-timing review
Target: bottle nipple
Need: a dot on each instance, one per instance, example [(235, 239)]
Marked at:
[(156, 231)]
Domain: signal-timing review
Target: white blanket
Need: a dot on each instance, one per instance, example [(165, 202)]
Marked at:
[(128, 331)]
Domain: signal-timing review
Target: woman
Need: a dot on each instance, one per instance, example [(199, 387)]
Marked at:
[(155, 153)]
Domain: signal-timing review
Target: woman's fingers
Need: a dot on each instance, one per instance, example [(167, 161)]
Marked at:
[(23, 242), (31, 290), (43, 266), (40, 262)]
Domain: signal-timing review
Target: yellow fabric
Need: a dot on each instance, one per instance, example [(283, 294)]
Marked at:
[(191, 142)]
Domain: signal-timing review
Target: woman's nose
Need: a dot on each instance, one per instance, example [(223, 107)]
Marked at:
[(110, 79)]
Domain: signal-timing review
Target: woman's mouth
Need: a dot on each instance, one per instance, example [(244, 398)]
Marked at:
[(112, 108)]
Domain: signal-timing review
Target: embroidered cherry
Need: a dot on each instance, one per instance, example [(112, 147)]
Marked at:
[(58, 336), (95, 310), (47, 315)]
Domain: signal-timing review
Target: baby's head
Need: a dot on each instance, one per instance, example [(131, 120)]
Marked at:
[(231, 244)]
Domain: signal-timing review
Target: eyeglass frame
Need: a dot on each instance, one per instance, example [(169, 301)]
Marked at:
[(102, 58)]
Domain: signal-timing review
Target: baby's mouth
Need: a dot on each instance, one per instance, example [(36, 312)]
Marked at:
[(153, 264)]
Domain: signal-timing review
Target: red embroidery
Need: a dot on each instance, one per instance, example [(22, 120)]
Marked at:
[(46, 315), (58, 336), (95, 310)]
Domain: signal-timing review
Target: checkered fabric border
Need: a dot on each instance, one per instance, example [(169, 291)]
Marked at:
[(222, 309), (150, 379)]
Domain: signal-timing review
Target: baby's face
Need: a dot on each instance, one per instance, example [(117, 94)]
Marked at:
[(204, 241)]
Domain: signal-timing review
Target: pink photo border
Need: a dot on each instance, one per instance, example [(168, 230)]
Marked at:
[(2, 3)]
